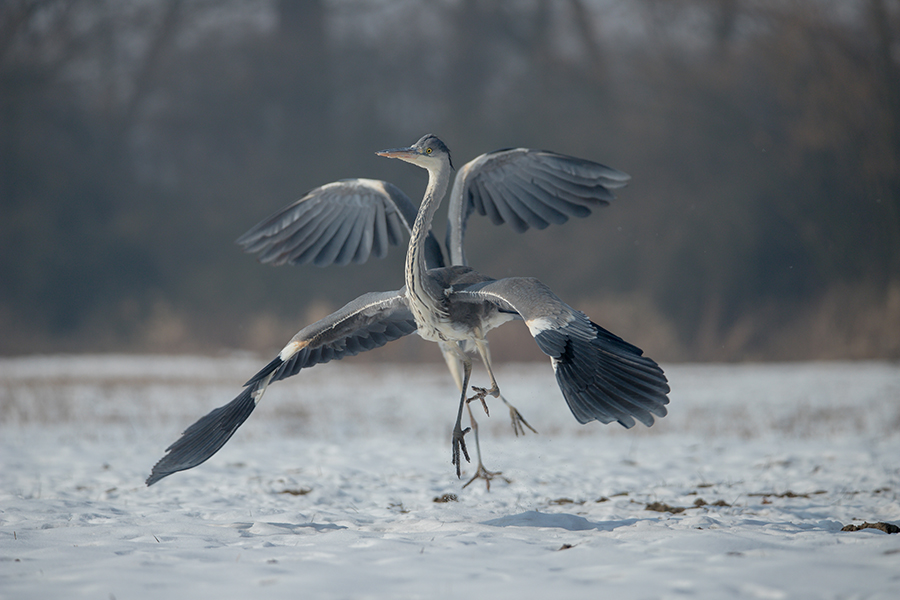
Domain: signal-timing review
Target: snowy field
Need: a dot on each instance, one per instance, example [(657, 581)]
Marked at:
[(331, 488)]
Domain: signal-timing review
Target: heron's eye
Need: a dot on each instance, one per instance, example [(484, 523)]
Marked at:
[(427, 150)]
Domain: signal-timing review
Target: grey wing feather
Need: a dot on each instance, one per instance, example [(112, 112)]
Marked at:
[(204, 438), (370, 321), (526, 188), (338, 223), (602, 377)]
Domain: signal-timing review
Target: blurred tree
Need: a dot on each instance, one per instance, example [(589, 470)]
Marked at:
[(138, 140)]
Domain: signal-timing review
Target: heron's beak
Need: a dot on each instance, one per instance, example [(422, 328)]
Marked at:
[(408, 154)]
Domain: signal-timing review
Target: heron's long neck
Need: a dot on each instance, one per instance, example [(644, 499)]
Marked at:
[(415, 260)]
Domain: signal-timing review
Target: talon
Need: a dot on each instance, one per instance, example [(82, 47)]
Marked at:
[(483, 473), (518, 421), (480, 393), (494, 391), (459, 443)]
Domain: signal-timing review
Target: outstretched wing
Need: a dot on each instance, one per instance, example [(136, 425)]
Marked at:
[(526, 188), (338, 223), (602, 377), (369, 322)]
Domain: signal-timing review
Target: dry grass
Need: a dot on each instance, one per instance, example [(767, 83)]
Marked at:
[(846, 322)]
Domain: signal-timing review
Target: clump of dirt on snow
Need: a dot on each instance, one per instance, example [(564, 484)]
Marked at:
[(880, 526)]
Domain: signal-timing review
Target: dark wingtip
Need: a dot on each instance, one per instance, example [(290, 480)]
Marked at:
[(607, 379), (270, 368), (204, 438)]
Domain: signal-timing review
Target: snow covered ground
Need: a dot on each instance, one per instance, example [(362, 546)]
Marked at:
[(329, 490)]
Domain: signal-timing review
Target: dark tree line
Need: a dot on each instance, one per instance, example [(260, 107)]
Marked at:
[(139, 139)]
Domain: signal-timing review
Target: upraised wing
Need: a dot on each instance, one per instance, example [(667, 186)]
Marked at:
[(526, 188), (352, 219), (369, 322), (338, 223), (601, 376)]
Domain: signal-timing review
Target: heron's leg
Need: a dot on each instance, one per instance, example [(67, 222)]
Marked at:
[(481, 472), (455, 365), (459, 433), (518, 421), (485, 353), (454, 362)]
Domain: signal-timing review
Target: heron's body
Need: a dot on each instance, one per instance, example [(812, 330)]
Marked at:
[(601, 376)]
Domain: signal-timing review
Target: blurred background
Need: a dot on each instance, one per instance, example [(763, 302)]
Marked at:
[(140, 138)]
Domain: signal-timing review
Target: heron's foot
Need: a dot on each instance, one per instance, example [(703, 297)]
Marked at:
[(480, 394), (459, 443), (494, 391), (518, 421), (483, 473)]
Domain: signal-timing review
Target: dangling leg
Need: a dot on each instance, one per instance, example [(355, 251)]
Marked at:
[(459, 433), (480, 393), (517, 419), (454, 362), (452, 356), (481, 472)]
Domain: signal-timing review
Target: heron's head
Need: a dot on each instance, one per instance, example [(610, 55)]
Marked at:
[(428, 152)]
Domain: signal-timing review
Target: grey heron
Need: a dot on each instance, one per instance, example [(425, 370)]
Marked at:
[(601, 376), (352, 219)]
